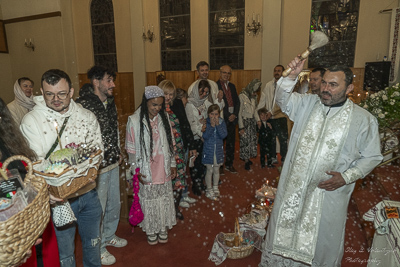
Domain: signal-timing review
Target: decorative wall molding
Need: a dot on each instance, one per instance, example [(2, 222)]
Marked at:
[(33, 17)]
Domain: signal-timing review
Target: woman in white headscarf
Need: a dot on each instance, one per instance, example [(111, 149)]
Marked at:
[(23, 101), (196, 110)]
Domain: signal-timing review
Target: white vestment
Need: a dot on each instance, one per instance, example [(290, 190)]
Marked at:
[(347, 138)]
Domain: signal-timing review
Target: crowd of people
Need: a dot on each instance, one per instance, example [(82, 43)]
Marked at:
[(333, 143)]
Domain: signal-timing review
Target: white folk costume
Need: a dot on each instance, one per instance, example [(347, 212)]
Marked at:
[(156, 196), (307, 223)]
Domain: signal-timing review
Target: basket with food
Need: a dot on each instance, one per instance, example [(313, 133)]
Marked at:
[(68, 170), (237, 245), (24, 212)]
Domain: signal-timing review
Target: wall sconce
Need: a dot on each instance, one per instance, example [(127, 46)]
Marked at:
[(255, 26), (30, 44), (149, 35)]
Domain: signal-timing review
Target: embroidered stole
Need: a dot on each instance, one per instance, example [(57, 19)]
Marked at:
[(316, 152)]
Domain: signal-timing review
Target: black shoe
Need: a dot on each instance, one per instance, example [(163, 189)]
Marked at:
[(250, 162), (231, 169), (203, 187), (196, 190), (221, 170), (262, 166), (271, 166), (247, 166), (179, 215)]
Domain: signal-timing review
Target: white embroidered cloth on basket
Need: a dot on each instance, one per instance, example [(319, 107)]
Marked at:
[(62, 213), (70, 173), (390, 228), (219, 250)]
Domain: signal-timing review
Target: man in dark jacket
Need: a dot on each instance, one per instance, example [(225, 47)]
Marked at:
[(230, 112), (97, 96)]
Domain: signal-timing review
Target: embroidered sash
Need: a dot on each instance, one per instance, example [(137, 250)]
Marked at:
[(317, 151)]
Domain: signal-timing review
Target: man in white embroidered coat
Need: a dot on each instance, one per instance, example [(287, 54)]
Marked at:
[(333, 143)]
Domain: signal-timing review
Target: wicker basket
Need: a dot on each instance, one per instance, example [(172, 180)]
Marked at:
[(77, 183), (236, 252), (19, 233)]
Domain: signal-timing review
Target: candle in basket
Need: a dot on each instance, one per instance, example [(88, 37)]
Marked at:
[(58, 135)]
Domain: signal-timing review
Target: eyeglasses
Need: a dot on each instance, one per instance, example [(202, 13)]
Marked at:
[(60, 95), (224, 72)]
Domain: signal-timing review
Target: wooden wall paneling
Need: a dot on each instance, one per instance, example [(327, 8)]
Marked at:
[(82, 80), (125, 93), (181, 79), (151, 78), (241, 78), (212, 75)]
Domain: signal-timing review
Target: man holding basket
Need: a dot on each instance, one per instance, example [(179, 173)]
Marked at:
[(55, 108)]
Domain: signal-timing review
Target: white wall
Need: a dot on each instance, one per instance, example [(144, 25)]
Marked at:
[(373, 33), (53, 38)]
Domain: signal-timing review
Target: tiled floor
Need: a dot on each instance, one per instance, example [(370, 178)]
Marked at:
[(190, 241)]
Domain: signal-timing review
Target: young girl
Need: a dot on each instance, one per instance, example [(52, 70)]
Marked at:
[(213, 150), (149, 144), (247, 122)]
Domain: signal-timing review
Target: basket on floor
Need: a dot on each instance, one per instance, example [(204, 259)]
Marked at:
[(240, 252), (19, 233), (80, 180)]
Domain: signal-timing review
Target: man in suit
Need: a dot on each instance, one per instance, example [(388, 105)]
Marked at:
[(230, 113)]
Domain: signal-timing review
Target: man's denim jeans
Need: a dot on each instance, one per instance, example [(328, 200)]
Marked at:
[(108, 191), (87, 210)]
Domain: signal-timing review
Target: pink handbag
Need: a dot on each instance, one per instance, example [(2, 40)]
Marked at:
[(136, 213)]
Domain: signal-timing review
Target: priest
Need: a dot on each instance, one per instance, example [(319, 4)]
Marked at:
[(333, 144)]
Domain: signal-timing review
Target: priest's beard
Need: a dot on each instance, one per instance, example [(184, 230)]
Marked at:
[(329, 99)]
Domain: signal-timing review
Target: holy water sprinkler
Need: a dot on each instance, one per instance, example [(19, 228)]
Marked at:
[(318, 39)]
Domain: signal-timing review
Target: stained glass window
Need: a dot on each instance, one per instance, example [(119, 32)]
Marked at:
[(103, 34), (338, 20), (226, 22), (175, 34)]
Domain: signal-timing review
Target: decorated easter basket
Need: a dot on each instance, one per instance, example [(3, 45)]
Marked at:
[(71, 179), (19, 233), (239, 252)]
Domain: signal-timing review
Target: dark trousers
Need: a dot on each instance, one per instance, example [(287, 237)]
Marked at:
[(267, 150), (230, 143), (197, 172), (280, 129)]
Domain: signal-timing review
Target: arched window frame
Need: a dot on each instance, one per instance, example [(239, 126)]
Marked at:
[(103, 34)]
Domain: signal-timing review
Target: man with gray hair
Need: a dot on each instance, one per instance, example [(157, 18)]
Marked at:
[(230, 114)]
